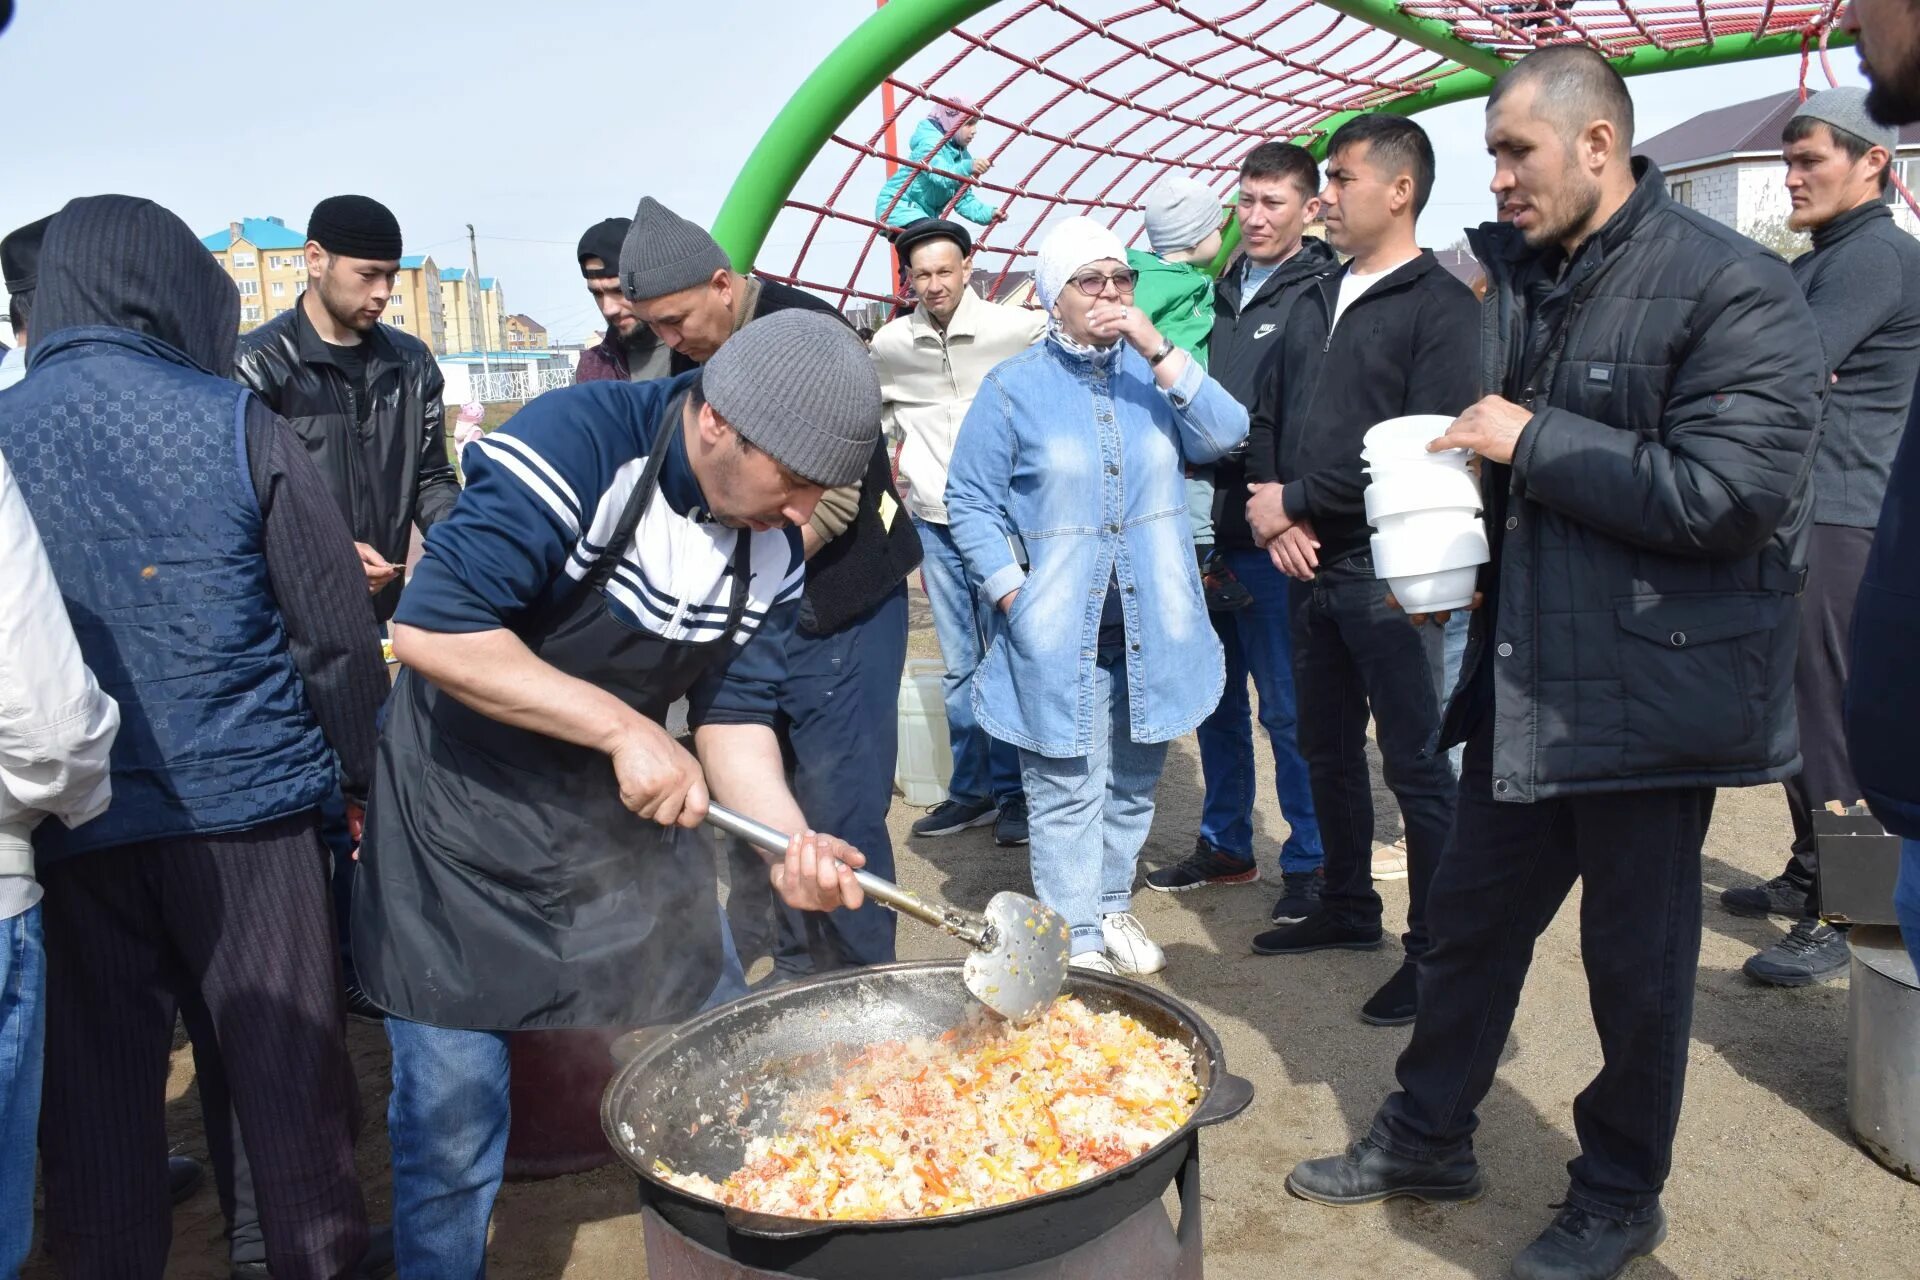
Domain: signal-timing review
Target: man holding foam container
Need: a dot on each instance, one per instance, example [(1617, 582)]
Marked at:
[(1644, 461)]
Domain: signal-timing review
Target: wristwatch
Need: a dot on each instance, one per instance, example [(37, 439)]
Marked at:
[(1166, 349)]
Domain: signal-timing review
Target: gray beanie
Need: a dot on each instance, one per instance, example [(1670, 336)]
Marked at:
[(800, 386), (1846, 110), (1180, 214), (664, 253)]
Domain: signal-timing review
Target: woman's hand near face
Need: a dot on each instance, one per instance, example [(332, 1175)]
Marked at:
[(1109, 320)]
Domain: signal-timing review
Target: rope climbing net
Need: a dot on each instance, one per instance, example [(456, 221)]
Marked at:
[(1083, 106)]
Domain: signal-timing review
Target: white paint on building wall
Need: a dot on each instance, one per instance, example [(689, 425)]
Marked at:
[(1745, 194)]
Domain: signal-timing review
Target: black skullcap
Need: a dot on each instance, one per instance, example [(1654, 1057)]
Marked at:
[(355, 227), (603, 240), (20, 255), (918, 233)]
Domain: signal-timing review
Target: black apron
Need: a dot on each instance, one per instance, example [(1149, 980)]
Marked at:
[(503, 885)]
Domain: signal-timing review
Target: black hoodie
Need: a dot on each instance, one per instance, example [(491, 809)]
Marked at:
[(128, 263), (1239, 354)]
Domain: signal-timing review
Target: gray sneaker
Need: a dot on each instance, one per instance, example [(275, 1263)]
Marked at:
[(1010, 828), (950, 817), (1811, 952), (1780, 896)]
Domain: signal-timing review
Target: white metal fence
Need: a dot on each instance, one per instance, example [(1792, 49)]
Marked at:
[(518, 384)]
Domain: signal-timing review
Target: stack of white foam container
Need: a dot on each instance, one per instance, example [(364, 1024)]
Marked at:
[(1428, 540)]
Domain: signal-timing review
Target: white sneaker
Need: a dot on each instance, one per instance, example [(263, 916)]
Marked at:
[(1094, 960), (1390, 861), (1128, 945)]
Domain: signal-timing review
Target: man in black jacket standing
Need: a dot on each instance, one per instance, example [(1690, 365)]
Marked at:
[(1644, 461), (1862, 282), (1279, 196), (362, 396), (1389, 334), (1883, 705), (837, 703)]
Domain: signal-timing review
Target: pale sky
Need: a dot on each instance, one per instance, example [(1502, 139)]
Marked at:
[(530, 120)]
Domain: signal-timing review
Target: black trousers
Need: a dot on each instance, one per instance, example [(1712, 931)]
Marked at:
[(1353, 654), (1836, 559), (1507, 870), (242, 921)]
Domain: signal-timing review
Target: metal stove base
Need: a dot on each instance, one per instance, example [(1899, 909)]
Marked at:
[(1146, 1246)]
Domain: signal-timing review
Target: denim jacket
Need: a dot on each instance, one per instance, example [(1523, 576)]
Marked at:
[(1079, 459)]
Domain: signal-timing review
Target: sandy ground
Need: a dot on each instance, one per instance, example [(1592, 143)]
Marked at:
[(1767, 1184)]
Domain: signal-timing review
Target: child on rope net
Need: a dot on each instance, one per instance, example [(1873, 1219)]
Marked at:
[(1174, 289)]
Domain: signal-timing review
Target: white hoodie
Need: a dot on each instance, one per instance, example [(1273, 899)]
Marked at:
[(928, 380), (56, 725)]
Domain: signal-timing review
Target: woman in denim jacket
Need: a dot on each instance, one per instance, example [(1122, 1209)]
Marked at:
[(1066, 498)]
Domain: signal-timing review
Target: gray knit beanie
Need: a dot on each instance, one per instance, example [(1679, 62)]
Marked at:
[(1180, 214), (800, 386), (1846, 110), (664, 253)]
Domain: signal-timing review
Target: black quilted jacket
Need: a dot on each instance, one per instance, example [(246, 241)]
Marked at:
[(1650, 535)]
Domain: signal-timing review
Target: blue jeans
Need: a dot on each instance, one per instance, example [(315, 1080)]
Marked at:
[(1906, 898), (1453, 650), (447, 1124), (837, 716), (1088, 816), (23, 1034), (1259, 643), (983, 767), (1200, 506)]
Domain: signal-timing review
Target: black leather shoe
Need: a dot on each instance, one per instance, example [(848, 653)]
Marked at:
[(1584, 1246), (1393, 1005), (1366, 1174), (184, 1176)]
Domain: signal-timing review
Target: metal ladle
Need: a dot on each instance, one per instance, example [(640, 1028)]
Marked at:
[(1019, 958)]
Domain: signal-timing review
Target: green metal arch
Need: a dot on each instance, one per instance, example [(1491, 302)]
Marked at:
[(897, 31)]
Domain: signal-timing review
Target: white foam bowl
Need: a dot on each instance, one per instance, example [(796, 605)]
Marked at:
[(1408, 435), (1454, 459), (1397, 554), (1435, 592), (1431, 489), (1427, 526)]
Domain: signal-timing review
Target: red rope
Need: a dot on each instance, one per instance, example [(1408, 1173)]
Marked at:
[(1085, 104)]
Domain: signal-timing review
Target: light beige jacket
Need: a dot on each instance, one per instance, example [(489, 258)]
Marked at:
[(928, 380)]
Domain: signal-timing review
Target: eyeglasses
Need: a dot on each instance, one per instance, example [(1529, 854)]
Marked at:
[(1093, 284)]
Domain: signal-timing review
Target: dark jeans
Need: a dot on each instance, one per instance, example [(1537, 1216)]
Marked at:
[(1257, 642), (1836, 559), (838, 725), (1507, 870), (1354, 653)]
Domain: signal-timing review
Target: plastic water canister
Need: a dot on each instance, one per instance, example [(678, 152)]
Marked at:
[(925, 760)]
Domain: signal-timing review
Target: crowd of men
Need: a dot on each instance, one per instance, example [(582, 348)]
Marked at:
[(215, 805)]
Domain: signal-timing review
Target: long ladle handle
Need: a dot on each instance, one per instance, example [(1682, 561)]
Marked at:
[(771, 840)]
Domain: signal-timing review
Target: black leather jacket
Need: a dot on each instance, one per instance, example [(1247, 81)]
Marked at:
[(388, 473)]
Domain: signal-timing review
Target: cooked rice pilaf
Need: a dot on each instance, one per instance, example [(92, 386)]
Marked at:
[(985, 1114)]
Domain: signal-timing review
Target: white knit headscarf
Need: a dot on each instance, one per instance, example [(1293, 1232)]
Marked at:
[(1069, 247)]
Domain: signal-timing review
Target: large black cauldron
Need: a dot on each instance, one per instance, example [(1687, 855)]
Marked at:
[(679, 1098)]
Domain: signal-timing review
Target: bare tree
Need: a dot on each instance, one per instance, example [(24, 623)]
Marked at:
[(1776, 235)]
